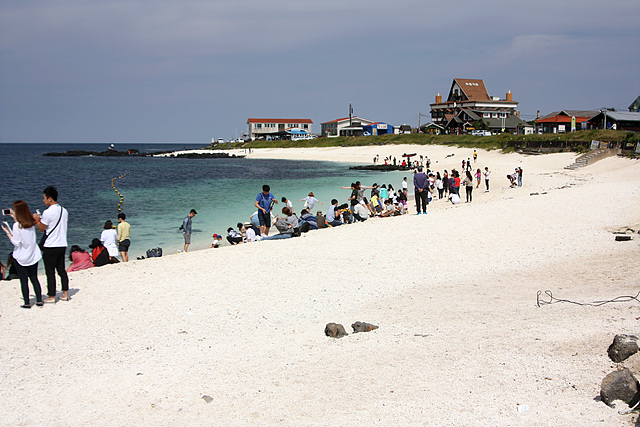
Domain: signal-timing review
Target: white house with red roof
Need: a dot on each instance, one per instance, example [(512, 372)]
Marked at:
[(260, 128)]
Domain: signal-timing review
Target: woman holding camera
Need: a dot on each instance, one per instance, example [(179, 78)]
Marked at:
[(25, 250)]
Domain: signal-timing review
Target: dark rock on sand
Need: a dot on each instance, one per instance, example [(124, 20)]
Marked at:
[(619, 385), (622, 347), (383, 168), (363, 327), (335, 330)]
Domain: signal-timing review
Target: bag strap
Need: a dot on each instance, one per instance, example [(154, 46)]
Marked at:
[(48, 234)]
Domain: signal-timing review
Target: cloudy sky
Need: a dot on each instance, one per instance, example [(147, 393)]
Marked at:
[(190, 70)]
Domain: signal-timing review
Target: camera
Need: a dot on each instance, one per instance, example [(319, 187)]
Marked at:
[(6, 212)]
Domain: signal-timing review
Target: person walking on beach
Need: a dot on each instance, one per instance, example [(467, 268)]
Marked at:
[(478, 177), (487, 173), (264, 202), (421, 183), (475, 156), (124, 231), (54, 224), (519, 169), (186, 228), (25, 250)]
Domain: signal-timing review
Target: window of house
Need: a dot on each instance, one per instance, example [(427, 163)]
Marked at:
[(258, 125), (494, 115), (486, 115), (305, 126), (503, 115)]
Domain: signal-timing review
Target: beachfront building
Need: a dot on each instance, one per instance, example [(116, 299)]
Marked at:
[(270, 128), (616, 120), (347, 126), (402, 129), (469, 106), (564, 121), (377, 128)]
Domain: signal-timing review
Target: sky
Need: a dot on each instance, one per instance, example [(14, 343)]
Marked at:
[(192, 70)]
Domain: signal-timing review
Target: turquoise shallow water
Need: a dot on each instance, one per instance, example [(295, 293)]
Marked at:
[(159, 192)]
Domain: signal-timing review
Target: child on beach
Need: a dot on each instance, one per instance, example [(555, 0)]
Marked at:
[(217, 241), (310, 201)]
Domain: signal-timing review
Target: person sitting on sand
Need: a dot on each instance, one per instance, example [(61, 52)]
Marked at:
[(99, 253), (454, 198), (250, 233), (217, 241), (389, 209), (10, 269), (321, 220), (286, 225), (333, 214), (80, 259), (234, 237), (307, 218), (359, 212)]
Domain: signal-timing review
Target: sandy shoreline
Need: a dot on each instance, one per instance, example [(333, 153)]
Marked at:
[(461, 340)]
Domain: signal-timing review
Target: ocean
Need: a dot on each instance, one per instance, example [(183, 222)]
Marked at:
[(159, 192)]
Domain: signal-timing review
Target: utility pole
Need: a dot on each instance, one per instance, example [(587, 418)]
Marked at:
[(350, 115), (420, 120)]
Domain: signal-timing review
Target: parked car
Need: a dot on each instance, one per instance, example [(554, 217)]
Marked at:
[(481, 132)]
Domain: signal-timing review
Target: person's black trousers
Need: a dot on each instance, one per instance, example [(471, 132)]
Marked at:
[(54, 262)]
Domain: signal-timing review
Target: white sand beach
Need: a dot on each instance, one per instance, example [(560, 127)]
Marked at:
[(461, 340)]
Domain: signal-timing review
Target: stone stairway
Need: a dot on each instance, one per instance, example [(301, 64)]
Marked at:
[(591, 157)]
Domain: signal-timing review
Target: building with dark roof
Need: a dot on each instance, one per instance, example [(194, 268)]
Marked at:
[(469, 102), (561, 121), (618, 120)]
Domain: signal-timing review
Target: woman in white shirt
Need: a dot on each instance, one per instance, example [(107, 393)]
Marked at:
[(25, 250), (109, 239)]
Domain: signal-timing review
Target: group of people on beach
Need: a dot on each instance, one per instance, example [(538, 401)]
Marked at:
[(383, 201), (27, 253)]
